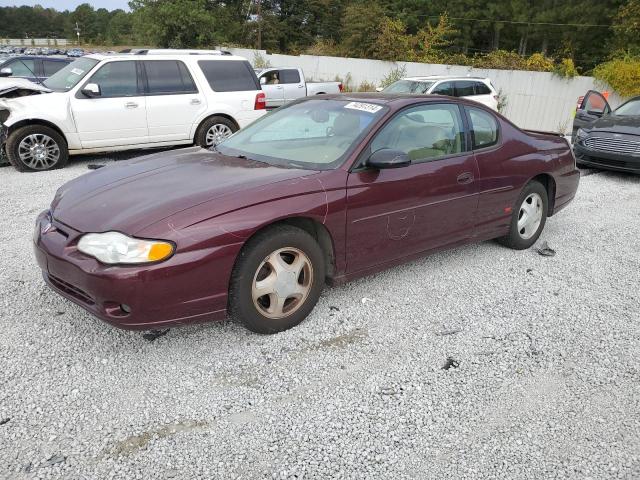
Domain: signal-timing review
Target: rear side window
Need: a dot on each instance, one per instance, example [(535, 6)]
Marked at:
[(484, 128), (229, 75), (465, 88), (445, 88), (166, 77), (482, 89), (289, 76), (22, 68), (51, 67)]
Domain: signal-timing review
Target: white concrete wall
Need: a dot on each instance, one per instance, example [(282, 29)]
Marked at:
[(38, 42), (536, 100)]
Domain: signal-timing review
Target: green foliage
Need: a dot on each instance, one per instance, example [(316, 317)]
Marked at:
[(360, 29), (623, 75), (260, 62), (431, 41), (627, 25), (566, 69), (502, 60), (503, 101), (539, 63), (392, 42), (393, 76), (366, 87)]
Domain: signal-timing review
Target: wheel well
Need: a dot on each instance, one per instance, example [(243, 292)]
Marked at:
[(320, 93), (24, 123), (224, 115), (549, 184), (318, 231)]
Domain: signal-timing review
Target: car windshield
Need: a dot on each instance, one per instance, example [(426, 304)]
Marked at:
[(69, 76), (313, 134), (629, 109), (408, 86)]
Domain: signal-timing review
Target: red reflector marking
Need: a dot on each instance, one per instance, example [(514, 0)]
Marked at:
[(508, 210)]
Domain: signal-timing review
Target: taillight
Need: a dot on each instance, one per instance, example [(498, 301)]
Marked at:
[(261, 101), (341, 87)]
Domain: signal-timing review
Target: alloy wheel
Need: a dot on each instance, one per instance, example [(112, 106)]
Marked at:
[(39, 151), (282, 283), (530, 216), (216, 134)]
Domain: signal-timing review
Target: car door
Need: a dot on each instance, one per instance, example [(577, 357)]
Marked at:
[(443, 88), (118, 115), (293, 84), (393, 213), (592, 107), (173, 100), (273, 90)]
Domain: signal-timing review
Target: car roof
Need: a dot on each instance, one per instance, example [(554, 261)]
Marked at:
[(35, 57), (168, 56), (443, 77), (392, 98)]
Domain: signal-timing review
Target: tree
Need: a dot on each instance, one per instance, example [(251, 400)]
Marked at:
[(360, 28), (627, 26), (392, 42)]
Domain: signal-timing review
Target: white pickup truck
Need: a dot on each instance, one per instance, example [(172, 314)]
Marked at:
[(284, 84)]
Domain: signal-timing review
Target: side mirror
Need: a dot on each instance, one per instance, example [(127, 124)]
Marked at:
[(6, 72), (379, 89), (595, 113), (263, 80), (91, 90), (388, 158)]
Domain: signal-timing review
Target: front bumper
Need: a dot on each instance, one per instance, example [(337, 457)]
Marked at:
[(133, 297), (606, 160)]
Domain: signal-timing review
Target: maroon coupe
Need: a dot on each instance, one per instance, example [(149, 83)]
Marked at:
[(325, 189)]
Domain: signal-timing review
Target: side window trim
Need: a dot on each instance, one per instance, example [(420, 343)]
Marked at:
[(465, 149), (493, 145)]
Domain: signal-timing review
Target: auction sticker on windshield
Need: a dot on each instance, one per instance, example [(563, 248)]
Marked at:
[(364, 107), (77, 71)]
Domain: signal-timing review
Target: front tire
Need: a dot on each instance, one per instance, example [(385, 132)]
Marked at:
[(528, 218), (213, 130), (277, 280), (36, 148)]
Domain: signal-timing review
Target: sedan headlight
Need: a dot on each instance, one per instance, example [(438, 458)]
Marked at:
[(115, 247)]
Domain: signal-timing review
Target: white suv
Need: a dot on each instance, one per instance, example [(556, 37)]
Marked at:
[(154, 98), (474, 88)]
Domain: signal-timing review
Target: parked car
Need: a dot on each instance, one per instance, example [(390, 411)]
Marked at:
[(324, 189), (105, 103), (283, 85), (75, 52), (34, 68), (607, 139), (473, 88)]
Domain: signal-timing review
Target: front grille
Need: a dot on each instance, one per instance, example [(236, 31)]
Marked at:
[(75, 292), (614, 145)]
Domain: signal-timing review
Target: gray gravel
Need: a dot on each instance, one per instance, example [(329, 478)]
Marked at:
[(547, 383)]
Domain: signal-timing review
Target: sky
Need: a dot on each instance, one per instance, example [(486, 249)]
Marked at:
[(68, 4)]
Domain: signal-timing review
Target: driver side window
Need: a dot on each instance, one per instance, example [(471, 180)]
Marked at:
[(424, 133)]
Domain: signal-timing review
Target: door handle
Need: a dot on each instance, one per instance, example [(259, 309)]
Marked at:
[(195, 101), (300, 86), (131, 105), (465, 178), (279, 87)]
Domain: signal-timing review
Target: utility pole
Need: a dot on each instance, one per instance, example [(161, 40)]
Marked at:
[(259, 24), (77, 30)]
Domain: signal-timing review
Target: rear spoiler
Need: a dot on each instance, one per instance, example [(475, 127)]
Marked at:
[(541, 132)]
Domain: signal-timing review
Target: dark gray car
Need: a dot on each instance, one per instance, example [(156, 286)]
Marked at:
[(607, 139)]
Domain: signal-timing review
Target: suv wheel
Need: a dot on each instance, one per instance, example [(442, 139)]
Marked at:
[(36, 148), (213, 130)]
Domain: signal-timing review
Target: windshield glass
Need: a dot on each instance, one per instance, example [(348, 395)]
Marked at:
[(629, 109), (68, 77), (408, 86), (314, 134)]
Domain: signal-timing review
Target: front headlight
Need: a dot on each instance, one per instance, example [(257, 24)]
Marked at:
[(115, 247), (581, 134)]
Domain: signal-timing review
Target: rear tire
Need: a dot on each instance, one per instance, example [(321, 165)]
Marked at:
[(36, 148), (213, 130), (528, 218), (277, 279)]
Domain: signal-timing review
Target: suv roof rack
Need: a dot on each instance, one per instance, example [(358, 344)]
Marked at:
[(170, 51)]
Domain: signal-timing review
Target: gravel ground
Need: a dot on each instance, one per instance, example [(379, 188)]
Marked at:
[(544, 377)]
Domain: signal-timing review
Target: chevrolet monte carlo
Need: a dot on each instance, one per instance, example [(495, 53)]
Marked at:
[(326, 189)]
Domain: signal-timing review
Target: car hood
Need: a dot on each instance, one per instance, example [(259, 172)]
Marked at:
[(618, 124), (15, 87), (128, 196)]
